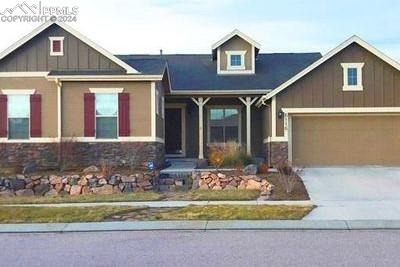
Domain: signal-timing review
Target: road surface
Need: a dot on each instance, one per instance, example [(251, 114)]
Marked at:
[(199, 248)]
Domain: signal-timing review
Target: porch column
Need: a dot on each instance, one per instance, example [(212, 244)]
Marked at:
[(200, 102), (248, 101)]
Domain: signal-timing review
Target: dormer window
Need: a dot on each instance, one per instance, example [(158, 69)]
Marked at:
[(352, 76), (235, 60), (56, 46)]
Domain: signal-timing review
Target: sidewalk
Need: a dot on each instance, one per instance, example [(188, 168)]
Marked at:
[(198, 226), (167, 204)]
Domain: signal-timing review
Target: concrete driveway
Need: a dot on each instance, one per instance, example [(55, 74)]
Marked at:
[(354, 193)]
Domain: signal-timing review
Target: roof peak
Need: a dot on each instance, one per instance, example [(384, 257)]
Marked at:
[(232, 34)]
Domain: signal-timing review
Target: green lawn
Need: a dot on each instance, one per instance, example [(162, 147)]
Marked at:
[(219, 212), (139, 196), (59, 215)]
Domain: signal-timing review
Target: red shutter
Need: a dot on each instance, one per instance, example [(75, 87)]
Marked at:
[(89, 113), (123, 114), (3, 115), (36, 115)]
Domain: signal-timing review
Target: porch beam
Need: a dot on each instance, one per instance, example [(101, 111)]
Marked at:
[(248, 101), (200, 102)]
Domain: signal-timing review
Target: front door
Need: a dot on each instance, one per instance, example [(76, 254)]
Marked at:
[(174, 131)]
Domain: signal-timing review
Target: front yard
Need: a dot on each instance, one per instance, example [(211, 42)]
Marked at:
[(118, 213)]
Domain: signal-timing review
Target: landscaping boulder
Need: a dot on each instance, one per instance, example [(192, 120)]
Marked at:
[(41, 189), (75, 190), (103, 190), (51, 193), (114, 180), (102, 181), (53, 179), (253, 185), (91, 169), (24, 193), (250, 169), (16, 184), (127, 188)]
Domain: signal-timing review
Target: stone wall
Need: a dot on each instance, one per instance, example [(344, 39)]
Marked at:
[(276, 152), (46, 155), (75, 184)]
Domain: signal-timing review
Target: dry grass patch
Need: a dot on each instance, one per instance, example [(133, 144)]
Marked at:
[(218, 212), (299, 191), (60, 215), (234, 194)]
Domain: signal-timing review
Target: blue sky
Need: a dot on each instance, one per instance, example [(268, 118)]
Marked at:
[(123, 26)]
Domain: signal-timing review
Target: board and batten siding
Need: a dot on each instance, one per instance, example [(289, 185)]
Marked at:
[(35, 55), (73, 106), (322, 87), (236, 44)]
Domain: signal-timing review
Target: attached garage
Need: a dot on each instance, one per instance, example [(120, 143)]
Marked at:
[(330, 139)]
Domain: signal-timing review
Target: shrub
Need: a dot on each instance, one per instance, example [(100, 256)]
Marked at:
[(106, 168), (229, 155), (288, 175), (66, 153)]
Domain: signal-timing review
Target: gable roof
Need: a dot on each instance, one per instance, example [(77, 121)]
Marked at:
[(233, 33), (353, 39), (80, 36), (197, 73)]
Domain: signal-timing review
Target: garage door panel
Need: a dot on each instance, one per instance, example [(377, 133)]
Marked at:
[(346, 140)]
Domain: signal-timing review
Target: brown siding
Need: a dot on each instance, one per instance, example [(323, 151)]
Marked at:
[(48, 91), (236, 43), (322, 87), (35, 55), (72, 103)]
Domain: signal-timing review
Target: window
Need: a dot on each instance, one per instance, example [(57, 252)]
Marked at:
[(352, 76), (223, 125), (106, 116), (56, 46), (18, 110), (235, 60)]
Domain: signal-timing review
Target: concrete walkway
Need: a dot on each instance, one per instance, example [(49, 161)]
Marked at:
[(353, 193), (168, 204), (199, 226)]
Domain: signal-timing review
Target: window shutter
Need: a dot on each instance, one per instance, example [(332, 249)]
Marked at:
[(89, 115), (36, 115), (3, 115), (123, 114)]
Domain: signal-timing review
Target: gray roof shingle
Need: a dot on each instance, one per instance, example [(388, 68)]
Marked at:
[(198, 72)]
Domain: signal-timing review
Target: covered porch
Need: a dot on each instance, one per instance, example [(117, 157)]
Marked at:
[(194, 123)]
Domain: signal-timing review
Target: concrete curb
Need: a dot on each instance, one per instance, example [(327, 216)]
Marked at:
[(199, 226), (168, 204)]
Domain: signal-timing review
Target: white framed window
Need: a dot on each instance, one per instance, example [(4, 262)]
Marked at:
[(224, 125), (235, 60), (106, 105), (56, 46), (18, 110), (352, 76)]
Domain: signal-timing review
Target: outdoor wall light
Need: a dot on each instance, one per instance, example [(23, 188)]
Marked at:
[(280, 114)]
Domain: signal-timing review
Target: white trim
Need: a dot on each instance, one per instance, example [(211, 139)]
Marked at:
[(30, 140), (253, 59), (230, 72), (106, 90), (59, 110), (346, 86), (270, 139), (200, 102), (353, 39), (248, 102), (153, 109), (23, 74), (163, 107), (18, 91), (240, 53), (233, 33), (341, 110), (119, 139), (220, 92), (80, 36), (218, 60), (181, 106), (56, 38), (273, 117), (157, 102), (107, 77)]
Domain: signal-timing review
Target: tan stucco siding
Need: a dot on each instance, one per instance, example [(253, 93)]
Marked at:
[(322, 87), (159, 116), (35, 55), (236, 44), (73, 106), (48, 92)]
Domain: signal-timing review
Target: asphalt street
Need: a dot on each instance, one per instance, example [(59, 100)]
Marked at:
[(199, 248)]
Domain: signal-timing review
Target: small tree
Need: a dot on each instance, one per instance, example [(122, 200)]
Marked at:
[(66, 153), (288, 175)]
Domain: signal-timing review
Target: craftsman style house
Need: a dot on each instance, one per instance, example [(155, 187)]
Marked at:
[(58, 87)]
